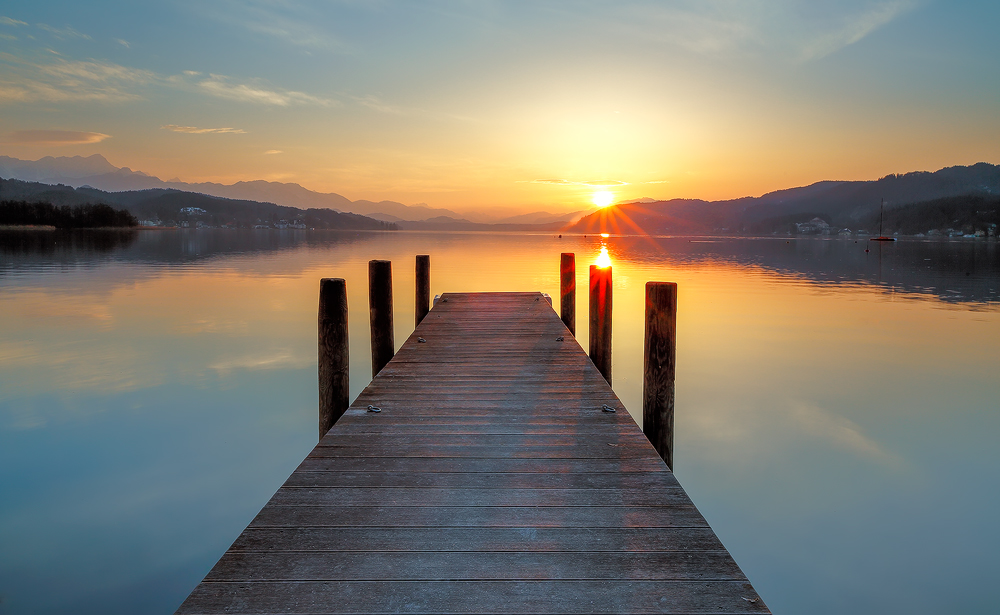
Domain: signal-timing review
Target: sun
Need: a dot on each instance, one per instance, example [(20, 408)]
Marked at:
[(603, 198)]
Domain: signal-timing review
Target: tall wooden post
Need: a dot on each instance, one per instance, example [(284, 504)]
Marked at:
[(423, 291), (334, 355), (380, 309), (567, 291), (659, 367), (600, 319)]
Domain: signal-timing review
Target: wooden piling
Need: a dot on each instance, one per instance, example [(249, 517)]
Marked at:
[(380, 309), (567, 291), (659, 368), (600, 319), (423, 288), (334, 354)]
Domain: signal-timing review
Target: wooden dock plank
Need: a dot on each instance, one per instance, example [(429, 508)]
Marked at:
[(461, 540), (276, 515), (442, 496), (446, 596), (491, 481), (610, 481), (499, 466), (310, 565)]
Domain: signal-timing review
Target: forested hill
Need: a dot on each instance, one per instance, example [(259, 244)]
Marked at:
[(167, 207)]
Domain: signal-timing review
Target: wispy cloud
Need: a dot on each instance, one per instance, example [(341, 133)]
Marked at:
[(123, 43), (856, 27), (222, 87), (96, 72), (61, 80), (194, 130), (799, 30), (709, 27), (55, 137), (7, 21), (379, 105), (63, 33), (294, 23), (70, 80), (376, 104), (271, 152), (568, 182)]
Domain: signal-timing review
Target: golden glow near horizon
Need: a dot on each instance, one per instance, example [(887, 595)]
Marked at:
[(603, 198), (603, 259)]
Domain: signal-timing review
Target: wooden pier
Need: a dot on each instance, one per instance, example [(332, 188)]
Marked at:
[(500, 474)]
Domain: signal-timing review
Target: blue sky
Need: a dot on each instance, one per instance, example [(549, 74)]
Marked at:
[(531, 105)]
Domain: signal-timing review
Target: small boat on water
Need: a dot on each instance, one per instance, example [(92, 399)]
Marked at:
[(881, 237)]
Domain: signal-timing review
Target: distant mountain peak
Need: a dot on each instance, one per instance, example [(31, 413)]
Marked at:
[(59, 168)]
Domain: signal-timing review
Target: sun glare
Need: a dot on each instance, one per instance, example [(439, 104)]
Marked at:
[(603, 198), (603, 260)]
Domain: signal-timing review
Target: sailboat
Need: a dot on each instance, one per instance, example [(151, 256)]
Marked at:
[(881, 237)]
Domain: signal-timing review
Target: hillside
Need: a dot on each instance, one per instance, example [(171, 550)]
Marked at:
[(840, 205), (962, 215), (96, 172), (165, 207)]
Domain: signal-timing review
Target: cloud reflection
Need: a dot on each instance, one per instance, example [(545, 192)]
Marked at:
[(838, 431), (281, 359)]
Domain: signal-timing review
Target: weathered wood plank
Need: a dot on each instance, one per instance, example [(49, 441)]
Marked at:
[(482, 480), (596, 450), (309, 565), (466, 539), (543, 597), (274, 515), (497, 466), (622, 438), (461, 496)]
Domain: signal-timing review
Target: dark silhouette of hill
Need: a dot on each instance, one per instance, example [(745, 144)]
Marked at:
[(49, 168), (174, 207), (967, 214), (851, 205), (96, 172)]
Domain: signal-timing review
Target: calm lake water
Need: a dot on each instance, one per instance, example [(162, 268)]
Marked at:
[(837, 411)]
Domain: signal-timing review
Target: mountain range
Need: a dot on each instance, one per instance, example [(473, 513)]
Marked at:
[(168, 207), (834, 205), (96, 172), (826, 205)]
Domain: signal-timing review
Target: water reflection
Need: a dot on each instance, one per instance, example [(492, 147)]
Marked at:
[(18, 244), (834, 425), (954, 271)]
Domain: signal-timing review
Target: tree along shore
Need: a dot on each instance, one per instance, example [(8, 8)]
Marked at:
[(23, 213)]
